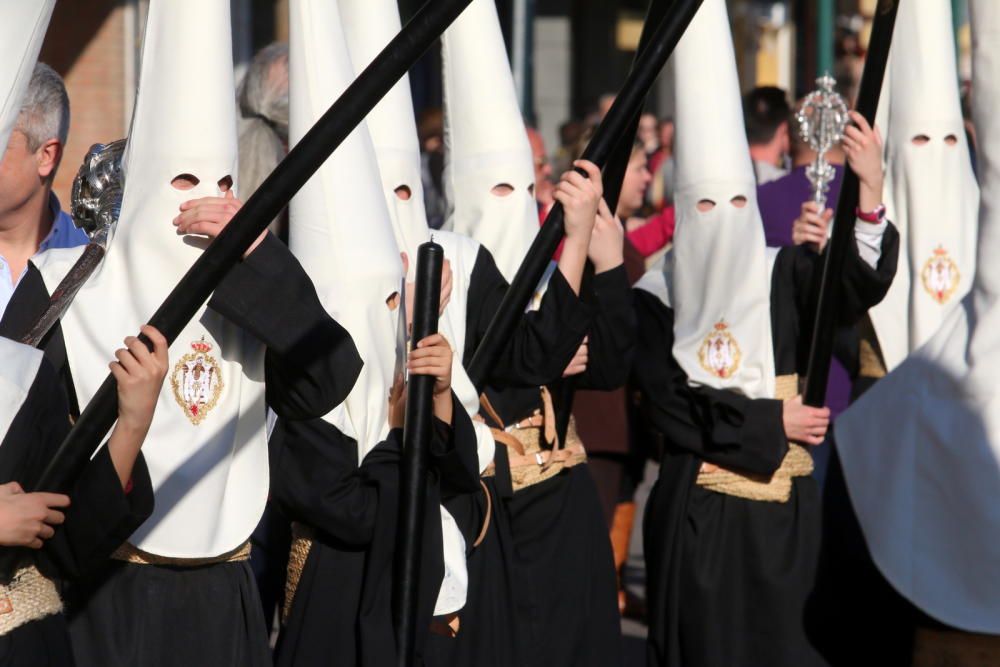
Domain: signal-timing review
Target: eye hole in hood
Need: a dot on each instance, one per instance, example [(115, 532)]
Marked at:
[(185, 182)]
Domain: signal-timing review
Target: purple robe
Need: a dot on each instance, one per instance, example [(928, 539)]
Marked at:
[(780, 202)]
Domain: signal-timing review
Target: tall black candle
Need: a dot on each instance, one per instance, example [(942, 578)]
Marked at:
[(416, 441)]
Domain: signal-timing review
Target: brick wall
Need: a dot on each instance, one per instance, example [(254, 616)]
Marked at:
[(85, 43)]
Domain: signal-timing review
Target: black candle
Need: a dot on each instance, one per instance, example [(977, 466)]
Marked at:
[(416, 442)]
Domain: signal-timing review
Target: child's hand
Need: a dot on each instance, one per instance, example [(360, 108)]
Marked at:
[(140, 374), (863, 146), (607, 240), (811, 228), (805, 424), (579, 196), (27, 519), (433, 356), (208, 216)]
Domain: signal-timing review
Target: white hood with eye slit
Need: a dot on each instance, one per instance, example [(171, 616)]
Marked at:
[(485, 140), (931, 193), (720, 278), (206, 449)]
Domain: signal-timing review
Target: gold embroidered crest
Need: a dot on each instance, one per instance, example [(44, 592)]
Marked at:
[(719, 353), (940, 276), (197, 381)]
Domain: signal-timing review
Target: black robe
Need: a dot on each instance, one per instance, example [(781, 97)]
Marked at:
[(728, 578), (101, 515), (342, 610), (542, 586), (128, 614)]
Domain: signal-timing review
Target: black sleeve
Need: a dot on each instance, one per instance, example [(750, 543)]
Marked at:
[(862, 286), (719, 426), (612, 334), (316, 479), (544, 341), (865, 287), (101, 515), (454, 453), (311, 362)]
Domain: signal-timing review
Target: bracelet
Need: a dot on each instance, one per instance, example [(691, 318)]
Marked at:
[(876, 216)]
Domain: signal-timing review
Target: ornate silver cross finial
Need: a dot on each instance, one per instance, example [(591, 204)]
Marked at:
[(821, 120)]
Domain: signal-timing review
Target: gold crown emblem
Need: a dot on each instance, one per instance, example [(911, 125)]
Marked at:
[(202, 346)]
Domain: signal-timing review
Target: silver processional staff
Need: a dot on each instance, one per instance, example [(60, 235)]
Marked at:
[(821, 121)]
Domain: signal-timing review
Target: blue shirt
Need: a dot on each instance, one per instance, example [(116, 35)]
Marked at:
[(64, 234)]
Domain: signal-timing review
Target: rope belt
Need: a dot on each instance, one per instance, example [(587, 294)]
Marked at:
[(131, 554), (777, 488), (870, 364), (302, 541), (531, 460), (28, 597)]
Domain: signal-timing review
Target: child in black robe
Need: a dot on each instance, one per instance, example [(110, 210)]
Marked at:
[(338, 601)]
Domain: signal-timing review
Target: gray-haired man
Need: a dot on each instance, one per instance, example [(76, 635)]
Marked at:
[(31, 219)]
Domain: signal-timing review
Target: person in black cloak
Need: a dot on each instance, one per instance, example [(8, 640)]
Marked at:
[(490, 176), (337, 477), (66, 536), (732, 526), (564, 609), (262, 341)]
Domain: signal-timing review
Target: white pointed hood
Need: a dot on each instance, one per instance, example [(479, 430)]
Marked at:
[(339, 226), (371, 25), (486, 141), (22, 30), (921, 449), (206, 448), (930, 189), (720, 281)]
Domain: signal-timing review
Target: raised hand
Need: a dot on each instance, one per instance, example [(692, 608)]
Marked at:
[(208, 216), (812, 228), (607, 240), (863, 146), (579, 196)]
